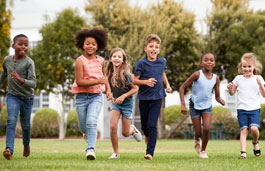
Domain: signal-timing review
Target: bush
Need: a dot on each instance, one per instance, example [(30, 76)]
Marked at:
[(262, 116), (3, 121), (230, 125), (72, 125), (45, 124), (171, 116)]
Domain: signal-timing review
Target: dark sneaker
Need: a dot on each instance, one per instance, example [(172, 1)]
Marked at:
[(26, 151)]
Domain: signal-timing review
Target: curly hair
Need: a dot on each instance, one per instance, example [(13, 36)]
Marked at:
[(250, 58), (100, 35), (18, 36), (119, 75)]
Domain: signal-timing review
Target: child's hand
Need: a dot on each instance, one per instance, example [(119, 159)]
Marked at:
[(221, 101), (168, 89), (184, 110), (259, 83), (119, 100), (109, 97), (102, 80), (16, 76), (230, 86), (151, 82)]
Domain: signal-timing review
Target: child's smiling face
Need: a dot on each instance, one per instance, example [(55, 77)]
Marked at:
[(247, 68), (152, 49), (117, 59), (90, 46), (208, 62)]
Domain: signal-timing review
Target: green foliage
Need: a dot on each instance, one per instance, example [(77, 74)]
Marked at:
[(45, 124), (230, 125), (172, 114), (3, 115), (129, 26), (5, 26), (228, 38), (72, 124), (55, 54)]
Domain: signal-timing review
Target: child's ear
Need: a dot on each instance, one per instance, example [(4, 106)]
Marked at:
[(13, 45)]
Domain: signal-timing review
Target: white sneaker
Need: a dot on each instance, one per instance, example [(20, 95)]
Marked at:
[(203, 155), (137, 135), (85, 137), (114, 156), (197, 145), (90, 154)]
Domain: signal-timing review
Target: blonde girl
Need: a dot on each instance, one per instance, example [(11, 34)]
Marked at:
[(120, 80), (249, 86)]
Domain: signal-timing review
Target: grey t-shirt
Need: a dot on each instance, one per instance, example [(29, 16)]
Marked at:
[(25, 69), (118, 91)]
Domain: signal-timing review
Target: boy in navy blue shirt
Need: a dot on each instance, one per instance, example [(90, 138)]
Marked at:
[(150, 75)]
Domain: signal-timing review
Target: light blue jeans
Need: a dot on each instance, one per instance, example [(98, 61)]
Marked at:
[(16, 104), (88, 107)]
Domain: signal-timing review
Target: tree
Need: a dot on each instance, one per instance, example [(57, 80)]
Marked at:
[(5, 26), (54, 58), (128, 27), (225, 15)]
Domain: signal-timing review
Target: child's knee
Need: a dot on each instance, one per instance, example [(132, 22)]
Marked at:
[(244, 131), (254, 129), (126, 133), (113, 128)]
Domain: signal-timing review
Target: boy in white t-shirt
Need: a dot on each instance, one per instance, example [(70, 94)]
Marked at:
[(249, 86)]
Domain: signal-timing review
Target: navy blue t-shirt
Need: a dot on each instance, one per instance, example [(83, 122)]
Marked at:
[(151, 69)]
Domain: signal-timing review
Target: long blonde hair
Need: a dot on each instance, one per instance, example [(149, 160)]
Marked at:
[(119, 75), (251, 58)]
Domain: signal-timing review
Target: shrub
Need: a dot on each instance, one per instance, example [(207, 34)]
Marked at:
[(262, 116), (72, 124), (3, 120), (171, 116), (230, 125), (45, 124)]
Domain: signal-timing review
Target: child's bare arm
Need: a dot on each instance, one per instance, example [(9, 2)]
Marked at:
[(261, 87), (133, 90), (165, 81), (150, 82), (217, 92), (81, 82), (182, 88), (231, 88)]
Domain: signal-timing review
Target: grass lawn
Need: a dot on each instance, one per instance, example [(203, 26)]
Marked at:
[(169, 155)]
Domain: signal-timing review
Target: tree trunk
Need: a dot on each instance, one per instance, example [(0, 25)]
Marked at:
[(62, 122), (178, 124), (160, 122)]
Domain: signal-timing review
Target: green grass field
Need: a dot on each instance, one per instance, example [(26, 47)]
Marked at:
[(169, 155)]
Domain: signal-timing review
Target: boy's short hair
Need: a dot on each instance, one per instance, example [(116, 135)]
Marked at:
[(18, 36), (152, 37)]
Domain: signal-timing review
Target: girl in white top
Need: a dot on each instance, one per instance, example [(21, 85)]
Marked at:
[(249, 87)]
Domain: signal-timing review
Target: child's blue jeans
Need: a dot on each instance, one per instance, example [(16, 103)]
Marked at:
[(16, 104), (150, 111), (88, 107)]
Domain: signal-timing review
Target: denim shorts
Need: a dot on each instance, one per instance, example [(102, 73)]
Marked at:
[(198, 113), (126, 108), (249, 118)]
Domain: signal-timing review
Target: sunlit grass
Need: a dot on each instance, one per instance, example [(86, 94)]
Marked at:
[(169, 155)]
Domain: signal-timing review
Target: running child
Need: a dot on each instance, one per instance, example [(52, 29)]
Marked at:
[(19, 69), (120, 81), (90, 82), (203, 82), (150, 75), (249, 86)]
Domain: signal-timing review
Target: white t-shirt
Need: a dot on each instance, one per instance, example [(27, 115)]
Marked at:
[(248, 92)]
